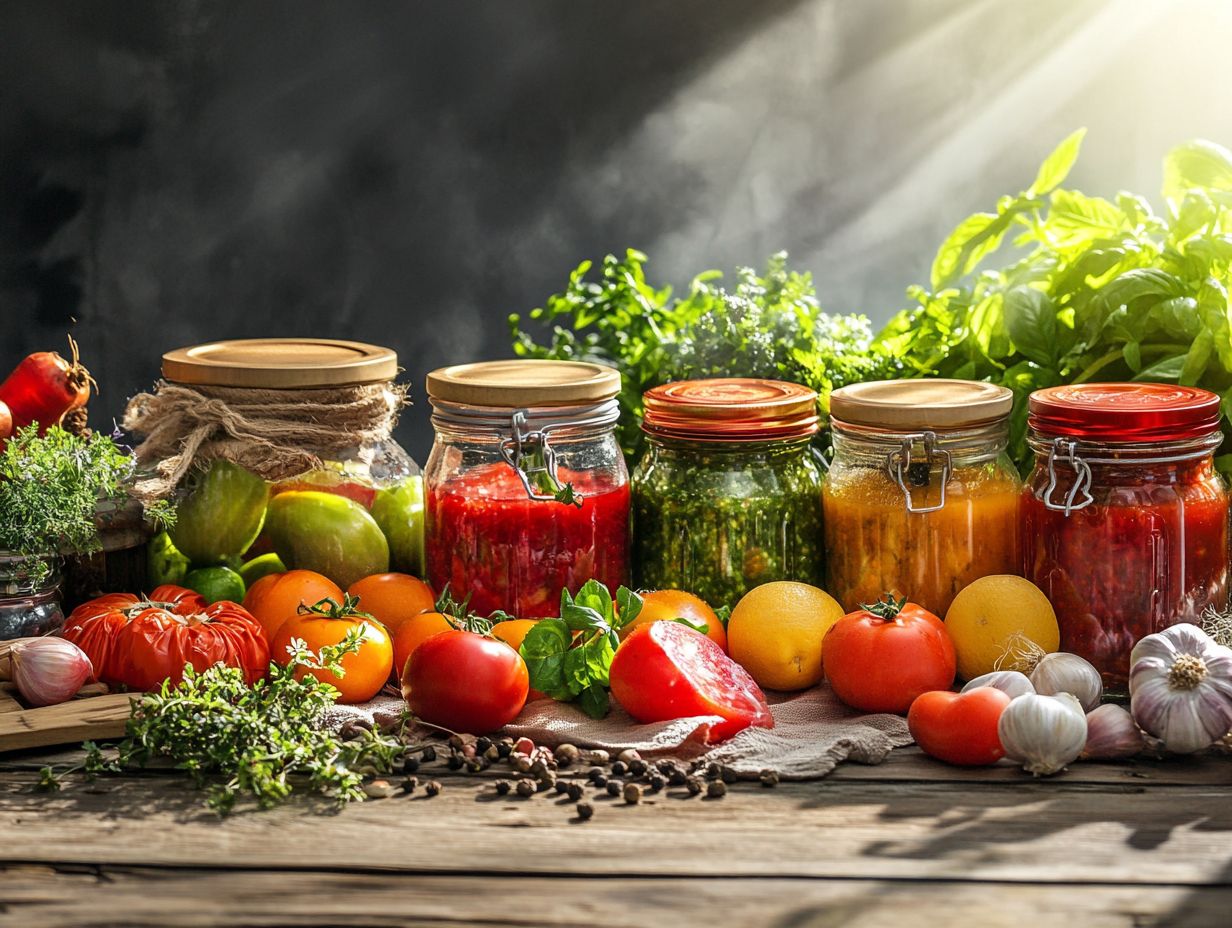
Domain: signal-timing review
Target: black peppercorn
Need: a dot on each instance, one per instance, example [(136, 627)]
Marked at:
[(619, 768), (657, 782), (693, 785), (482, 743), (728, 775), (574, 791), (614, 787), (429, 754), (433, 788), (502, 787), (637, 767), (585, 810), (769, 777), (410, 765), (716, 789)]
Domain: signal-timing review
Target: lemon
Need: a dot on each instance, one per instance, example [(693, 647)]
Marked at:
[(775, 633), (996, 618)]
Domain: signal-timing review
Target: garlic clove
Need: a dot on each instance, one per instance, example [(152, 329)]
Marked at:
[(48, 671), (1010, 682), (1112, 734), (1044, 733), (1068, 673)]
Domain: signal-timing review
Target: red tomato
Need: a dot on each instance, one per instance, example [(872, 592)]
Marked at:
[(665, 670), (139, 643), (881, 657), (959, 728), (464, 682)]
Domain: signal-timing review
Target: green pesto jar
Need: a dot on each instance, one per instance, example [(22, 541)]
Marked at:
[(728, 493)]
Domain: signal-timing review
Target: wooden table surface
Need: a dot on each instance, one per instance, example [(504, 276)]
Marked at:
[(907, 843)]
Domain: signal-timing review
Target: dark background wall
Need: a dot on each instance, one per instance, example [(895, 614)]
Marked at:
[(175, 171)]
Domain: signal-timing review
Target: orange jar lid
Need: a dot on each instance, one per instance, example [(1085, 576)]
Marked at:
[(281, 363), (915, 405), (731, 409)]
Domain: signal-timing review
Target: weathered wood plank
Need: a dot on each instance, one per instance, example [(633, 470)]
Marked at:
[(1034, 831), (69, 722), (136, 897)]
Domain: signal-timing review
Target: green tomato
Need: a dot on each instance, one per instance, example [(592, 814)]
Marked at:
[(330, 534), (399, 511), (216, 584), (262, 566), (221, 516), (164, 563)]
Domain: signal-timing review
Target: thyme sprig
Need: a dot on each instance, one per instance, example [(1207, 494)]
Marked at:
[(260, 741)]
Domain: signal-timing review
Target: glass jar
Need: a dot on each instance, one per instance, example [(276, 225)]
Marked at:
[(526, 488), (921, 498), (296, 464), (1125, 516), (29, 596), (727, 495)]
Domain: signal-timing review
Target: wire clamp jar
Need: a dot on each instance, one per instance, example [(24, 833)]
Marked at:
[(898, 462), (1079, 495), (529, 446)]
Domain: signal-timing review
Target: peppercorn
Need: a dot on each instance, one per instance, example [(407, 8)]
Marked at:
[(522, 763), (538, 769), (562, 787), (410, 765), (638, 767), (504, 749), (482, 743), (502, 787), (428, 755), (574, 791), (728, 775), (594, 773), (409, 784), (526, 787), (585, 810), (657, 782), (677, 777), (769, 778), (693, 785), (454, 762), (433, 788), (716, 789), (665, 767), (614, 787), (632, 793), (567, 754), (491, 754), (476, 765), (619, 768), (713, 772)]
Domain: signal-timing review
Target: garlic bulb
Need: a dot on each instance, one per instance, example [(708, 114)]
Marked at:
[(1068, 673), (1180, 688), (1010, 682), (49, 670), (1112, 734), (1043, 732)]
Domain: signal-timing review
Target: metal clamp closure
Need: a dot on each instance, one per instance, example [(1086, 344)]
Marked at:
[(1079, 495), (899, 465), (530, 453)]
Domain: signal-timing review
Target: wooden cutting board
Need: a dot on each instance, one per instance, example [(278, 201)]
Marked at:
[(82, 719)]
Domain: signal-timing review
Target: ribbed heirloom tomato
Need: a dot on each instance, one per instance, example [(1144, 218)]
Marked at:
[(277, 597), (139, 643), (881, 657), (465, 682), (327, 623), (665, 670)]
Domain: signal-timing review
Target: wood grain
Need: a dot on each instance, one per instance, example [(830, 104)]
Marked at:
[(96, 717)]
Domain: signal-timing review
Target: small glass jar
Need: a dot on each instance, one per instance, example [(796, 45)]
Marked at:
[(297, 460), (727, 495), (921, 498), (1125, 516), (526, 488), (29, 596)]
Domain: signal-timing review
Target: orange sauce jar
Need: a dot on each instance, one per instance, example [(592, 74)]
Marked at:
[(921, 498)]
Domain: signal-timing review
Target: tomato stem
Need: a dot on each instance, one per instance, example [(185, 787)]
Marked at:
[(330, 608), (886, 608)]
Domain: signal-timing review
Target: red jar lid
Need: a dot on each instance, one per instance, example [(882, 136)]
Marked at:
[(731, 409), (1128, 412)]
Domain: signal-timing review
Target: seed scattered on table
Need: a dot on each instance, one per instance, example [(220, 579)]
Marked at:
[(526, 787), (433, 788), (585, 810), (632, 793), (769, 778), (614, 787), (716, 789)]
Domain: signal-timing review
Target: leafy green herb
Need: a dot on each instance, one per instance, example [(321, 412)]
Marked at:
[(1093, 289), (567, 669), (50, 487), (260, 741)]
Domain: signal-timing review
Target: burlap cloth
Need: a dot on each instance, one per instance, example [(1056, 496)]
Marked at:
[(813, 733)]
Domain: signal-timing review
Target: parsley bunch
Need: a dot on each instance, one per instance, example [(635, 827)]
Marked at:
[(260, 741)]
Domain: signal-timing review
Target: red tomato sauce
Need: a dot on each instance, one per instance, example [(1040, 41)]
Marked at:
[(487, 540), (1149, 552)]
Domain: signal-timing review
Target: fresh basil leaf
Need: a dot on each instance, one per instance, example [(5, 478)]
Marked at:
[(1166, 371), (1132, 353), (1076, 220), (1196, 164), (544, 650), (971, 240), (594, 595), (583, 618), (628, 607), (595, 702), (1032, 322), (1057, 165), (703, 627), (1197, 358), (588, 664)]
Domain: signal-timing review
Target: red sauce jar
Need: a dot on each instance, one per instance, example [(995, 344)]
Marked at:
[(1125, 517), (526, 491)]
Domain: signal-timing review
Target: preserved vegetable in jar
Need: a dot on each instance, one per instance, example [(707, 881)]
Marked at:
[(280, 446), (526, 488), (921, 498), (1125, 516), (728, 494)]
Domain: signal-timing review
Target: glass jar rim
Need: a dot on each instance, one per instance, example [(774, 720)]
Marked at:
[(1100, 451), (503, 421)]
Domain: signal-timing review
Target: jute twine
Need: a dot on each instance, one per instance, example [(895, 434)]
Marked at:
[(276, 434)]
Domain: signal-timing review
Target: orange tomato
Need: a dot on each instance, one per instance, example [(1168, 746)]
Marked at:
[(276, 597), (393, 598), (365, 671), (665, 605), (414, 632), (513, 631)]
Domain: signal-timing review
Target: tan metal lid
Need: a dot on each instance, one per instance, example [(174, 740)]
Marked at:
[(524, 382), (920, 404), (281, 363)]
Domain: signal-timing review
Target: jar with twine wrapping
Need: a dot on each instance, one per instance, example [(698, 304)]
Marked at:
[(279, 456)]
